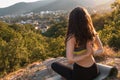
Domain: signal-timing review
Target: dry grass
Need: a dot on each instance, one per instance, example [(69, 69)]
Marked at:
[(117, 55), (108, 53)]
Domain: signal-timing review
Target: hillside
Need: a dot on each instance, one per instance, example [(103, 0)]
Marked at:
[(22, 46), (43, 71)]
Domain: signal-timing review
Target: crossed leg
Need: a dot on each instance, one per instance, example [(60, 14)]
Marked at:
[(63, 70)]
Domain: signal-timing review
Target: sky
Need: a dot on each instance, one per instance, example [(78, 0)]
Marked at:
[(6, 3)]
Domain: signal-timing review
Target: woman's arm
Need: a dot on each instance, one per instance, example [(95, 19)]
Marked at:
[(70, 49), (99, 46)]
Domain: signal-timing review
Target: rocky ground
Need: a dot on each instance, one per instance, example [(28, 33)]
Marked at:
[(43, 71)]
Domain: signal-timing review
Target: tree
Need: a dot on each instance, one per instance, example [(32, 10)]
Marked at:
[(110, 33), (56, 47), (57, 29)]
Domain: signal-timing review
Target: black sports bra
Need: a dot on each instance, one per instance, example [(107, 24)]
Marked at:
[(79, 50)]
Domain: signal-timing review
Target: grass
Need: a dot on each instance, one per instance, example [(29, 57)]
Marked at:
[(108, 53)]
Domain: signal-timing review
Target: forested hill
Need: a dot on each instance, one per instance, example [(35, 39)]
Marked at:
[(21, 44)]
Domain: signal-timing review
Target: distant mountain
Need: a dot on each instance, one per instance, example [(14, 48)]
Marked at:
[(23, 7), (70, 4), (44, 5), (59, 5), (65, 5)]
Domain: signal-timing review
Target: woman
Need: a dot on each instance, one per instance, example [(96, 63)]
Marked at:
[(82, 42)]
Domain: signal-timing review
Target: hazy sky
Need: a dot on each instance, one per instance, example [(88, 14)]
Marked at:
[(5, 3)]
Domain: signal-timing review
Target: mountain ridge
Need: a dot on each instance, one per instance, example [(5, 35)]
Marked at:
[(23, 7)]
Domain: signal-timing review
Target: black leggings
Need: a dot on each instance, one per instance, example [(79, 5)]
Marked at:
[(77, 73)]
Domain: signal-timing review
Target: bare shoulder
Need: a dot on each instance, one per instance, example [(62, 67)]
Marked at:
[(71, 40)]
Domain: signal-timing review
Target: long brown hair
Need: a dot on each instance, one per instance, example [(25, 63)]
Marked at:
[(80, 26)]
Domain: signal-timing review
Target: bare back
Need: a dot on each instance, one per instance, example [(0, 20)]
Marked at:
[(82, 59)]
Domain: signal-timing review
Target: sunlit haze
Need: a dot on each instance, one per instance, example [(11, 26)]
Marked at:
[(6, 3)]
